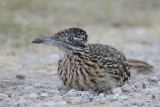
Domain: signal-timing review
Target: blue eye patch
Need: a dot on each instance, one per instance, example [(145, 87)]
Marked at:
[(77, 38)]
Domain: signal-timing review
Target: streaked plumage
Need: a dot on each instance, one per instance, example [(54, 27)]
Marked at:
[(87, 66)]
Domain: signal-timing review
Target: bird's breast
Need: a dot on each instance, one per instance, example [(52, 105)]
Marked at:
[(83, 74)]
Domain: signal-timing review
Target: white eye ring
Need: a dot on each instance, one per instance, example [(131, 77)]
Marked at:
[(70, 38), (76, 38)]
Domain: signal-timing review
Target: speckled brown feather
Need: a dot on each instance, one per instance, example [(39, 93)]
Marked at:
[(89, 66), (98, 67)]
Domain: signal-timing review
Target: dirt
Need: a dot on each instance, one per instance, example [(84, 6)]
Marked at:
[(37, 83)]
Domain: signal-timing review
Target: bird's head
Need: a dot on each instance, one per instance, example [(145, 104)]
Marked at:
[(72, 39)]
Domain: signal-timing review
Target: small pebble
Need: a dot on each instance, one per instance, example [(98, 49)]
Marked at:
[(15, 95), (23, 104), (116, 96), (101, 95), (28, 88), (71, 92), (153, 79), (54, 91), (33, 95), (86, 98), (52, 104), (20, 76), (153, 96), (123, 97), (3, 96), (158, 83), (63, 91), (1, 85), (143, 86), (75, 100), (117, 90), (39, 85), (127, 88), (138, 85), (58, 97), (44, 94)]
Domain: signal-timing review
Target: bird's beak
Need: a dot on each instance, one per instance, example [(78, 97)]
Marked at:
[(47, 40), (54, 41)]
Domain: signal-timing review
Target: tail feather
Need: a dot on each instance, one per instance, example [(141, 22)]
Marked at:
[(139, 65)]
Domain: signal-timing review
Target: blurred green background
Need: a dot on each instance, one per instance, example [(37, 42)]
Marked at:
[(23, 20)]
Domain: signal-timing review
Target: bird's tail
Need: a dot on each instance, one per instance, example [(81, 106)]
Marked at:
[(139, 65)]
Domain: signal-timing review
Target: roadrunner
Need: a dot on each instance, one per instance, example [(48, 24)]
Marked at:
[(89, 66)]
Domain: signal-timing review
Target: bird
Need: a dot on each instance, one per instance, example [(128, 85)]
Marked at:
[(84, 66)]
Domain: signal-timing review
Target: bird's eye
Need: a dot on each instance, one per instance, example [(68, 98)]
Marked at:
[(70, 38)]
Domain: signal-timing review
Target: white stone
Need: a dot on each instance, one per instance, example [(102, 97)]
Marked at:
[(86, 98), (71, 92), (153, 79), (38, 85), (52, 104), (58, 97), (117, 90), (101, 95), (127, 88), (54, 91), (44, 94), (123, 97), (28, 88), (1, 85), (3, 96), (33, 95), (116, 96), (138, 85), (158, 83)]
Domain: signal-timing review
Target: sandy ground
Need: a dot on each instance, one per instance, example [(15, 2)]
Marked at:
[(41, 86)]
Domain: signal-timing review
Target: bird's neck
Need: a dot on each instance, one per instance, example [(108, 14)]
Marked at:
[(73, 53)]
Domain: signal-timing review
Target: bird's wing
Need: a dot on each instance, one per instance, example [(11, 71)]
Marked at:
[(113, 60), (117, 68)]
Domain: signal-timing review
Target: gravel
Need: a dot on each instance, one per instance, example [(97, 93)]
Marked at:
[(28, 88), (117, 90), (19, 76), (45, 94), (38, 87), (3, 96), (33, 96), (1, 85), (127, 88)]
